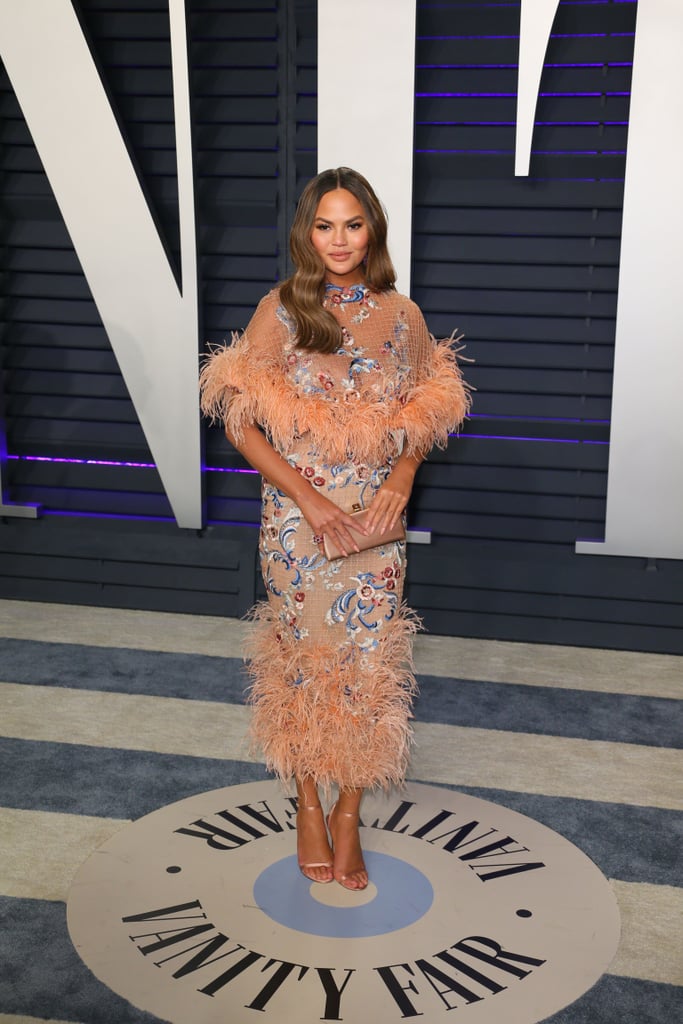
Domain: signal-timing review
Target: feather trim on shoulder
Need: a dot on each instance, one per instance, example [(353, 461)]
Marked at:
[(226, 386), (237, 389), (436, 406)]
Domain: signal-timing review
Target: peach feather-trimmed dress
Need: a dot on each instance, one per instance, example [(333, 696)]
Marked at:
[(330, 653)]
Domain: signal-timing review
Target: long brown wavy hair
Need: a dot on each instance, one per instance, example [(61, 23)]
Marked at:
[(303, 293)]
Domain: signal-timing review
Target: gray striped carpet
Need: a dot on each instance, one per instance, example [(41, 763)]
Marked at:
[(107, 715)]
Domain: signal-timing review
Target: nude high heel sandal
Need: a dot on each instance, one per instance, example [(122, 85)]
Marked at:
[(304, 868), (342, 879)]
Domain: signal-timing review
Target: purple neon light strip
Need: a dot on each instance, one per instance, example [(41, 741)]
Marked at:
[(514, 437), (565, 3), (513, 95), (554, 35), (513, 67), (495, 4), (115, 463), (534, 152), (222, 469), (82, 462), (511, 124)]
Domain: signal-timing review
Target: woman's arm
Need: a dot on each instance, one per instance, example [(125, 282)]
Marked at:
[(322, 515), (437, 402), (394, 494)]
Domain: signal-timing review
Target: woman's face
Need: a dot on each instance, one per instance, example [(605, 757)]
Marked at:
[(340, 237)]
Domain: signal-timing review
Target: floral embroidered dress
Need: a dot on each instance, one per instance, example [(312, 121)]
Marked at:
[(330, 655)]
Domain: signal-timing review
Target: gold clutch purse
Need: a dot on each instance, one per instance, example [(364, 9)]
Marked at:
[(364, 541)]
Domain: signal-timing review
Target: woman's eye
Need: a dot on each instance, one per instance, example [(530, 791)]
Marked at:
[(322, 227), (354, 227)]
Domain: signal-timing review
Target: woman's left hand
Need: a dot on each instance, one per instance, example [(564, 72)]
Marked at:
[(391, 499)]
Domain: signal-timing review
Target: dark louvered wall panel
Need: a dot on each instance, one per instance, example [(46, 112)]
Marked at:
[(526, 268), (235, 496), (65, 395), (530, 265)]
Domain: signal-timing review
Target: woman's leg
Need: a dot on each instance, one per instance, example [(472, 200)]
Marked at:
[(312, 843), (349, 868)]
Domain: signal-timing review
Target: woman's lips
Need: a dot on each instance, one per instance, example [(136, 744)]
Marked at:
[(340, 255)]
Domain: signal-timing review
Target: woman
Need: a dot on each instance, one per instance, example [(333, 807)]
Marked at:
[(335, 394)]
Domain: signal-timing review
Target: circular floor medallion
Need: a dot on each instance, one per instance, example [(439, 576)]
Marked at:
[(197, 912), (297, 904)]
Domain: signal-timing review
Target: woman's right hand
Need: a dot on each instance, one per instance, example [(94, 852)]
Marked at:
[(323, 516)]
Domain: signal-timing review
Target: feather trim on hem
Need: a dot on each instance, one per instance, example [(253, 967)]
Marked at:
[(332, 713), (237, 389)]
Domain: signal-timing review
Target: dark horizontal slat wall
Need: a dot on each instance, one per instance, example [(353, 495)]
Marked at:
[(291, 120), (65, 397), (526, 268)]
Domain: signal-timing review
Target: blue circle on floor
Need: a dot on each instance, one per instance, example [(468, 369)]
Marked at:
[(404, 895)]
